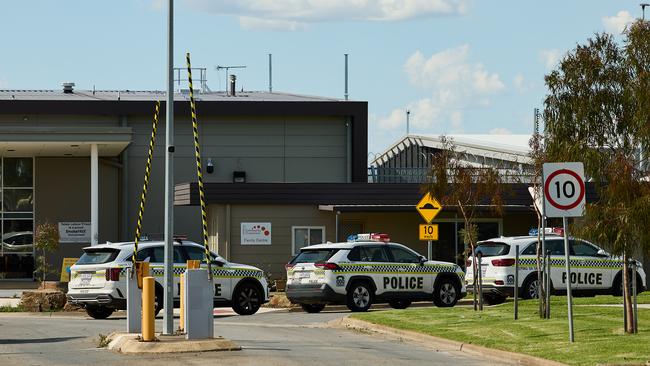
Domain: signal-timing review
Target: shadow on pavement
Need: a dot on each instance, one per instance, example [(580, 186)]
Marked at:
[(37, 340)]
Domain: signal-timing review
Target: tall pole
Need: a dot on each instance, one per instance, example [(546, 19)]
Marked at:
[(568, 278), (168, 315), (270, 73), (408, 121), (346, 76)]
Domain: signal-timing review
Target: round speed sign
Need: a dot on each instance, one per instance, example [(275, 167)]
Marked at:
[(564, 189)]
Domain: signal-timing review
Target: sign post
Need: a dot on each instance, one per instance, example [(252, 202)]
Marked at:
[(429, 208), (564, 196)]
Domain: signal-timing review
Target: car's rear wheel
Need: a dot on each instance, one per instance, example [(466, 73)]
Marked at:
[(530, 290), (445, 293), (313, 308), (99, 312), (359, 297), (399, 304), (247, 299)]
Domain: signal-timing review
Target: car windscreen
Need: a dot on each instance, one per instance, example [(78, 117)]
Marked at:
[(314, 256), (98, 256), (492, 248)]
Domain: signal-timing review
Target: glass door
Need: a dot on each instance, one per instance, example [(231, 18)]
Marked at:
[(17, 218)]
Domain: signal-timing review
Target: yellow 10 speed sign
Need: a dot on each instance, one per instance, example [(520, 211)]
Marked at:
[(428, 231)]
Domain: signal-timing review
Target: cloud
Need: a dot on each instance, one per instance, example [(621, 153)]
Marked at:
[(521, 85), (616, 24), (451, 83), (249, 23), (500, 131), (301, 13), (550, 57)]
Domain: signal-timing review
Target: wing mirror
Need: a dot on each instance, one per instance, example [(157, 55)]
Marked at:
[(423, 260), (218, 263), (602, 253)]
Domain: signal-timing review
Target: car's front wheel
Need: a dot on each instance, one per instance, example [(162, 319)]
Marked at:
[(99, 312), (530, 290), (313, 308), (247, 299), (446, 293)]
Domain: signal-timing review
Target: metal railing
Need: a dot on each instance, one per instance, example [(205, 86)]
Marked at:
[(420, 175)]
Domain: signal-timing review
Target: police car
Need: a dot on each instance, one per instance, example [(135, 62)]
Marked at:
[(98, 279), (370, 269), (593, 270)]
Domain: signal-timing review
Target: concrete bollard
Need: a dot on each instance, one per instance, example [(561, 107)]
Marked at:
[(133, 303), (181, 323), (199, 304), (148, 308)]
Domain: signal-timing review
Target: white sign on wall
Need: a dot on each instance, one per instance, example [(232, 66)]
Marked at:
[(255, 233), (74, 232), (564, 189)]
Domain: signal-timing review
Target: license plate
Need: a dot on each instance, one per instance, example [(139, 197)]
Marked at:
[(301, 275), (86, 278)]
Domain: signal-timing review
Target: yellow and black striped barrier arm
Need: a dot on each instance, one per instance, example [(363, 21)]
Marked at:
[(145, 185), (197, 153)]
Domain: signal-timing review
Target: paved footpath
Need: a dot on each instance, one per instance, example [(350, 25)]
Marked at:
[(270, 338)]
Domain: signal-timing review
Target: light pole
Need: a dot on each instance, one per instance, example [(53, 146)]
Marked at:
[(643, 5)]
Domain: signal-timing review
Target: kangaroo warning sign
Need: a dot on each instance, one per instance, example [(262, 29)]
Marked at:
[(564, 189)]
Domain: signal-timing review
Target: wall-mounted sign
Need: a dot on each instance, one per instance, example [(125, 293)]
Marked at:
[(255, 233), (74, 232)]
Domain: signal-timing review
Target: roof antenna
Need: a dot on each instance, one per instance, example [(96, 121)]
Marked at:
[(93, 89), (270, 73), (408, 121), (346, 76)]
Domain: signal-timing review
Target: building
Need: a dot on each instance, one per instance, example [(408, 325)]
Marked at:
[(63, 150)]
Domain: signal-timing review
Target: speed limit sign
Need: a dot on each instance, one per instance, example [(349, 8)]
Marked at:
[(564, 189)]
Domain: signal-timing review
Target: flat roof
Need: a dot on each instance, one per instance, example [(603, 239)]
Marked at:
[(153, 95)]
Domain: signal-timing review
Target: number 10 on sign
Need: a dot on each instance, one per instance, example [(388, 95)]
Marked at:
[(429, 232)]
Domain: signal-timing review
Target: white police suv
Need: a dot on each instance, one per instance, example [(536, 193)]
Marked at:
[(98, 279), (593, 270), (370, 269)]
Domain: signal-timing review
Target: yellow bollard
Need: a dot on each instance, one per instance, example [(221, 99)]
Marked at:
[(148, 311), (181, 326), (142, 271)]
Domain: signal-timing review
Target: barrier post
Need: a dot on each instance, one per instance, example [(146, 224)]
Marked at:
[(148, 311), (516, 282), (181, 323)]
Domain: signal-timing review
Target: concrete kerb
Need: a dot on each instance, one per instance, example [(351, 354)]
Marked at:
[(442, 344), (128, 343)]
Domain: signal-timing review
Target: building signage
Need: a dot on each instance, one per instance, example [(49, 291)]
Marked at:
[(74, 232), (255, 233), (65, 268)]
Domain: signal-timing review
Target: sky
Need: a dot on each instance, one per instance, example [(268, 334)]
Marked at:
[(458, 66)]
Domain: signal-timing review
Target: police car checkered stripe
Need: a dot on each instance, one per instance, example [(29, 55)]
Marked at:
[(575, 263), (218, 272), (393, 268)]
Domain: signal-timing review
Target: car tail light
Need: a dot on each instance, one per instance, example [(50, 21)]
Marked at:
[(503, 262), (113, 274), (288, 266), (498, 282), (330, 266)]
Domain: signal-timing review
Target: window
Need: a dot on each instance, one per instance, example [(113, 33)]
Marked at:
[(94, 256), (555, 246), (159, 255), (531, 249), (492, 248), (401, 255), (582, 248), (144, 255), (369, 254), (196, 253), (314, 256), (304, 236)]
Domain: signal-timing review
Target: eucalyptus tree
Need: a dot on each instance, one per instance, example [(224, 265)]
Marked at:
[(598, 111)]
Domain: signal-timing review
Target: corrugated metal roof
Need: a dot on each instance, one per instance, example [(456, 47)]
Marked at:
[(152, 95)]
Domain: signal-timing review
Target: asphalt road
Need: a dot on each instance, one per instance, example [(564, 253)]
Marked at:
[(275, 338)]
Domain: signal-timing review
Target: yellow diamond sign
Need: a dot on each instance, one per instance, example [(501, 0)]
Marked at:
[(428, 207)]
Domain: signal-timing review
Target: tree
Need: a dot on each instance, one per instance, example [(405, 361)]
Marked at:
[(597, 112), (46, 240), (466, 187)]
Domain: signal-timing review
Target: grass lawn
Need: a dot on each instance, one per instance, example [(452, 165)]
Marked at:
[(599, 336)]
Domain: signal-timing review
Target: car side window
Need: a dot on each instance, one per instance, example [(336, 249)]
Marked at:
[(555, 246), (530, 249), (354, 254), (373, 254), (196, 253), (582, 248), (145, 255), (400, 255), (159, 255)]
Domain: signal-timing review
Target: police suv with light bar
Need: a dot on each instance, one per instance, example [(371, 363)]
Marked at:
[(98, 279), (593, 270), (370, 269)]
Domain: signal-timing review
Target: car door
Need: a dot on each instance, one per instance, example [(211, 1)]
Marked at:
[(157, 266), (558, 273), (592, 272), (410, 277), (222, 274), (373, 261)]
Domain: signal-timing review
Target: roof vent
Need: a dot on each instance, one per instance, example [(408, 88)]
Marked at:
[(68, 88), (233, 80)]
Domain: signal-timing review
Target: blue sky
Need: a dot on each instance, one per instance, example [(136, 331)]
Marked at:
[(460, 66)]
